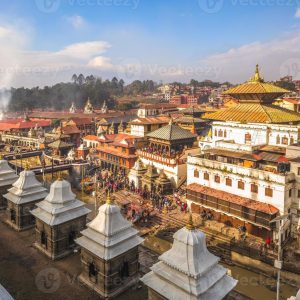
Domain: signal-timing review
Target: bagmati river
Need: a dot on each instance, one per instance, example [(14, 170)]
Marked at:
[(251, 284)]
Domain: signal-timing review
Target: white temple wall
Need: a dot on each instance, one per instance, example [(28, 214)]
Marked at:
[(280, 198), (174, 173), (137, 130)]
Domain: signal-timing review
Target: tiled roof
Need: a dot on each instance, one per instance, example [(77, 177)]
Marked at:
[(59, 144), (243, 201), (256, 88), (255, 113), (150, 120), (171, 132)]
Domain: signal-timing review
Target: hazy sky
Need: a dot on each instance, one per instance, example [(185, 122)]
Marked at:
[(45, 41)]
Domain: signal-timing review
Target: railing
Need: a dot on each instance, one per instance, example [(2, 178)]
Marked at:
[(158, 158)]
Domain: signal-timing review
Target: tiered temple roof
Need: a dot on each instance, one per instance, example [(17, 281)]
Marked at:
[(7, 174), (255, 98), (171, 132), (188, 270), (109, 234), (26, 189), (60, 205)]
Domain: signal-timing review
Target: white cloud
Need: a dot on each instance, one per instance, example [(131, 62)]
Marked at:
[(297, 14), (101, 62), (277, 58), (78, 22)]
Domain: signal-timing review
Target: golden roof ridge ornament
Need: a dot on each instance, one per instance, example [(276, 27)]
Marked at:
[(256, 77), (190, 224)]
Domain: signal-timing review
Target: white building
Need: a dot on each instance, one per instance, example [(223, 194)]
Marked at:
[(242, 174), (188, 271)]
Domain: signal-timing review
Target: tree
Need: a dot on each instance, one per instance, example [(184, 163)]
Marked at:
[(74, 78)]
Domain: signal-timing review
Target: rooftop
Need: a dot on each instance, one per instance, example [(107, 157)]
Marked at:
[(171, 132)]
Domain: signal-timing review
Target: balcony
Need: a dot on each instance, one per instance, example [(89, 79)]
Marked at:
[(280, 178), (158, 158)]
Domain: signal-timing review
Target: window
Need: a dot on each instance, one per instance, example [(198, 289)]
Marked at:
[(247, 137), (284, 140), (196, 173), (228, 182), (217, 179), (278, 139), (225, 133), (216, 132), (206, 176), (290, 193), (241, 185), (268, 192), (220, 133), (254, 188), (298, 171), (292, 140), (298, 193)]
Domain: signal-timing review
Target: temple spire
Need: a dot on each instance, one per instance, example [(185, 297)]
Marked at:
[(190, 224), (108, 199), (256, 77)]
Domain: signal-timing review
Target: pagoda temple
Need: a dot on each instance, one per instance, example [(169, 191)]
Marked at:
[(7, 178), (22, 198), (167, 150), (188, 271), (109, 252), (59, 219), (242, 175)]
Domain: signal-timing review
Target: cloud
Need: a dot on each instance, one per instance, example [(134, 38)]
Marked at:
[(297, 14), (277, 58), (77, 22), (101, 62)]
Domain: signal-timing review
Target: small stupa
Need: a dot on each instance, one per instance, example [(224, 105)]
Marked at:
[(21, 199), (59, 219), (7, 178), (188, 270), (109, 252)]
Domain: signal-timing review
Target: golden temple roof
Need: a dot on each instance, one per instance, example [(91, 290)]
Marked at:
[(255, 113), (256, 85)]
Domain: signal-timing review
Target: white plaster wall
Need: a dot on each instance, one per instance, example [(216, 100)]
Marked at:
[(279, 199), (137, 130)]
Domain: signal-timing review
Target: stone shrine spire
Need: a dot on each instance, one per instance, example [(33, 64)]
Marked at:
[(188, 270)]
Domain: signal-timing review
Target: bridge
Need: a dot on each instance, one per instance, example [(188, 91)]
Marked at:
[(24, 154)]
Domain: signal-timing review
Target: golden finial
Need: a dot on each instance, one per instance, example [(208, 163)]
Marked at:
[(60, 177), (108, 199), (27, 166), (190, 224), (256, 77), (1, 156)]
